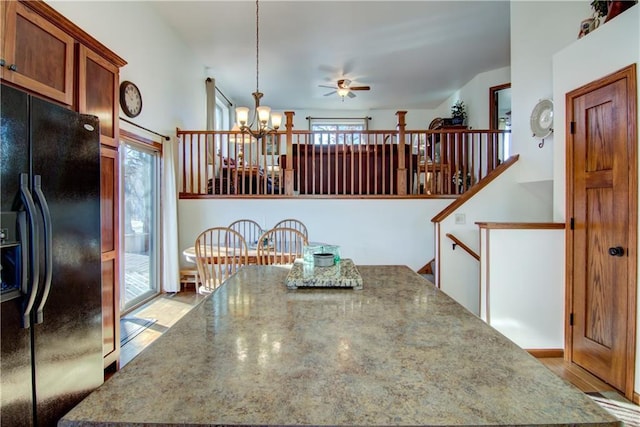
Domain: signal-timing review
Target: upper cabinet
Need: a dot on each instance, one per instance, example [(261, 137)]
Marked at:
[(37, 55), (98, 92)]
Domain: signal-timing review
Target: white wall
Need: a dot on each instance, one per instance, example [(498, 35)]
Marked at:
[(475, 95), (504, 200), (538, 30), (519, 298), (164, 69), (374, 231), (611, 47)]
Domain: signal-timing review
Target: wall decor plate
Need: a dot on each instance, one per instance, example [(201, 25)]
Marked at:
[(542, 119)]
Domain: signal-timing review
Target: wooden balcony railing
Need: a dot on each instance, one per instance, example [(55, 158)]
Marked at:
[(380, 163)]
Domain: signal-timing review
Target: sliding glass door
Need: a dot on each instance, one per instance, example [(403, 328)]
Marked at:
[(141, 232)]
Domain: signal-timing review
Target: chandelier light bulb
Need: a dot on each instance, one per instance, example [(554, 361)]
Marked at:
[(242, 115), (263, 114), (276, 120)]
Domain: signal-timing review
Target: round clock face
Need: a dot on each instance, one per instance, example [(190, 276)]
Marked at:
[(130, 99)]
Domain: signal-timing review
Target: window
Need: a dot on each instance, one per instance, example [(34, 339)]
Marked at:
[(222, 114), (140, 166), (337, 131)]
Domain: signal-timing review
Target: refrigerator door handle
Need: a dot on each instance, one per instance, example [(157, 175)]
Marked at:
[(27, 201), (48, 248)]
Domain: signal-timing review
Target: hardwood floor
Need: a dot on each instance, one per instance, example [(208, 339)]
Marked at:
[(167, 309), (574, 374)]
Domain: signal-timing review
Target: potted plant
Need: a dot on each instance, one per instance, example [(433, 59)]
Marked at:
[(600, 8), (610, 9), (458, 113)]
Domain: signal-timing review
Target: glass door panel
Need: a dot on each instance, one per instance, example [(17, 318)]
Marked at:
[(140, 172)]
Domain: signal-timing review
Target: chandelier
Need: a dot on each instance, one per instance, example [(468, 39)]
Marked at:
[(259, 125)]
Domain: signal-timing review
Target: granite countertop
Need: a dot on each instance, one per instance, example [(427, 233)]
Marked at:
[(342, 274), (397, 352)]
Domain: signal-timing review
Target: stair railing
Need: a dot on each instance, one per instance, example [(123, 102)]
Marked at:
[(458, 242)]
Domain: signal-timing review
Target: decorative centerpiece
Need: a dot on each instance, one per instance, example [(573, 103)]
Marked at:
[(341, 274)]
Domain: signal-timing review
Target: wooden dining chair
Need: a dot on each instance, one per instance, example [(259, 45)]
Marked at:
[(249, 229), (220, 253), (295, 224), (281, 245)]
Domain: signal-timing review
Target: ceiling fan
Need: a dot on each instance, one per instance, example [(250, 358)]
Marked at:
[(343, 88)]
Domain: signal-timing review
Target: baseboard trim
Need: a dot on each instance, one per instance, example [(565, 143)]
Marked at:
[(546, 352)]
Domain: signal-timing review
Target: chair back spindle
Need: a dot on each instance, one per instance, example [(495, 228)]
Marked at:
[(220, 253)]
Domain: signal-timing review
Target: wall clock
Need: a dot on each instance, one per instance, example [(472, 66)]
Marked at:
[(130, 99), (542, 120)]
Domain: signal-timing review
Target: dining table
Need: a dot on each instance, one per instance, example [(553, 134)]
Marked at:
[(396, 351), (252, 253)]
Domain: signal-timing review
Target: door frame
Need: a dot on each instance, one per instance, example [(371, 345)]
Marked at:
[(629, 73), (145, 144), (493, 110)]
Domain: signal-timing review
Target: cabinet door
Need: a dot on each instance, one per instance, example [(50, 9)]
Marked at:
[(110, 260), (37, 54), (98, 92)]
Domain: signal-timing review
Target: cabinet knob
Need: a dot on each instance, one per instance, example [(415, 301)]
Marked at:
[(13, 67), (2, 62)]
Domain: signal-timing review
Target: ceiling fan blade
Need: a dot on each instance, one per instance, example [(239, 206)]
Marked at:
[(359, 88), (351, 94), (330, 87), (330, 93)]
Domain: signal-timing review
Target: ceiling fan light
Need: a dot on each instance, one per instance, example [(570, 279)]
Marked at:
[(343, 91)]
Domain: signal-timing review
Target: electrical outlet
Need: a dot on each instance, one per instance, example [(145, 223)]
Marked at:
[(461, 219)]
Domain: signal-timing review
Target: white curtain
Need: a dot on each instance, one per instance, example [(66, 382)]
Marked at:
[(170, 249)]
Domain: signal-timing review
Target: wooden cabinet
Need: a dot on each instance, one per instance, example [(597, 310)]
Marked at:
[(37, 55), (109, 209), (98, 81), (48, 55)]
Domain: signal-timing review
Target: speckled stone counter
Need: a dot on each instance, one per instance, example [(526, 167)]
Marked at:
[(342, 274), (398, 352)]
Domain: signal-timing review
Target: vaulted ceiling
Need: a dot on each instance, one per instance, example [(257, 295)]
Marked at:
[(413, 54)]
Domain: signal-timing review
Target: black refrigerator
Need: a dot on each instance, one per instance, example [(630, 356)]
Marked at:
[(51, 330)]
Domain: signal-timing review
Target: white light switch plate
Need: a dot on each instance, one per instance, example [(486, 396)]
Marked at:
[(461, 219)]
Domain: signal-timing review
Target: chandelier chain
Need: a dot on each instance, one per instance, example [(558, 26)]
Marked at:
[(257, 46)]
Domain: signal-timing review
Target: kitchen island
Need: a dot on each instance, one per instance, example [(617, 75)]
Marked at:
[(397, 352)]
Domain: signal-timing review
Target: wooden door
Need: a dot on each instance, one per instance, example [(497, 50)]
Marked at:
[(602, 198)]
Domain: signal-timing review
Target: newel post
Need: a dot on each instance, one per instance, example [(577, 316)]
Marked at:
[(288, 166), (401, 179)]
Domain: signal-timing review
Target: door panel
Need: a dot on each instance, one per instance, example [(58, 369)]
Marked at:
[(68, 342), (600, 153), (15, 349)]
